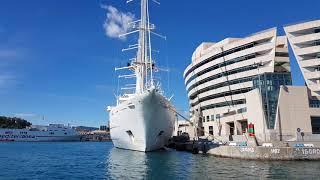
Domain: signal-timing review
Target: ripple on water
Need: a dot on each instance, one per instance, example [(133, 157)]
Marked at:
[(87, 160)]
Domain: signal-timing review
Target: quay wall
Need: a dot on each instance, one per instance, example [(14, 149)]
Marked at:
[(266, 153)]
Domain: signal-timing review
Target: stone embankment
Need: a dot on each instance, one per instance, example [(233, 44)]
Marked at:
[(266, 153), (250, 150)]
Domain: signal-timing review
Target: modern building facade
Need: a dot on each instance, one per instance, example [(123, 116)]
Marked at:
[(304, 39), (238, 81)]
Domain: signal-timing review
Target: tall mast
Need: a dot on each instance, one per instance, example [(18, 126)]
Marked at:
[(149, 42), (141, 69), (143, 63)]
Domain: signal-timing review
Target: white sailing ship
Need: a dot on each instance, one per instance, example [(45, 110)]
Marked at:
[(144, 119)]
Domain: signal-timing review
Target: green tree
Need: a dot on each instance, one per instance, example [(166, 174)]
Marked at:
[(13, 123)]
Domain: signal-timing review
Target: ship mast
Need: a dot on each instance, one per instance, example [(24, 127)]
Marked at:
[(142, 64), (143, 70)]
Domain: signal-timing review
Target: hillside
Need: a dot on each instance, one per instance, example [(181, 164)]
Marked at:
[(13, 123)]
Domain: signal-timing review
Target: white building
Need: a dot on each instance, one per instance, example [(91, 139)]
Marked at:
[(237, 81), (304, 39)]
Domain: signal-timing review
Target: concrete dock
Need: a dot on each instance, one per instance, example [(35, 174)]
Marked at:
[(250, 152), (266, 153)]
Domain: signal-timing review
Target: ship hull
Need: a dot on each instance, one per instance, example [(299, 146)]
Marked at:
[(142, 123), (38, 138)]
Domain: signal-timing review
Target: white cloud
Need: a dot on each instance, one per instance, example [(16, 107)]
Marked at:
[(117, 22)]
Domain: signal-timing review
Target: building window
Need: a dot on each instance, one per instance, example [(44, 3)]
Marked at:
[(211, 130), (282, 54), (212, 117), (208, 118), (230, 113), (202, 131), (316, 43), (314, 103), (315, 123), (242, 110), (222, 74), (218, 116), (222, 84), (203, 119)]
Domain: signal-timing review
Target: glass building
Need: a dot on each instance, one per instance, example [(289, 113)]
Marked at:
[(269, 86)]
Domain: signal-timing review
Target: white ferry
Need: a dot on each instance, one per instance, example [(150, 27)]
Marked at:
[(53, 132)]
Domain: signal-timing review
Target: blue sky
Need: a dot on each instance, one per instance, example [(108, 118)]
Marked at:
[(56, 60)]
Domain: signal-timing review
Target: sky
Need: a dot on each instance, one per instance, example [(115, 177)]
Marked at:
[(57, 58)]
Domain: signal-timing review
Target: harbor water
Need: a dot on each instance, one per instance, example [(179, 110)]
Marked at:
[(90, 160)]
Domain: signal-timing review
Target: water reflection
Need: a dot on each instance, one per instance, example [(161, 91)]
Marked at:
[(89, 160), (209, 167), (124, 164)]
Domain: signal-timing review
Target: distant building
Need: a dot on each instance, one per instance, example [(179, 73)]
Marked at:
[(85, 129), (95, 134), (104, 128), (239, 81)]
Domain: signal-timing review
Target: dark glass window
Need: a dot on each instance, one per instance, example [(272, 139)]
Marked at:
[(242, 110), (223, 94), (315, 124), (226, 103), (223, 74), (282, 54), (212, 117), (211, 130), (316, 43), (219, 85), (314, 103), (221, 65), (269, 85), (227, 52)]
